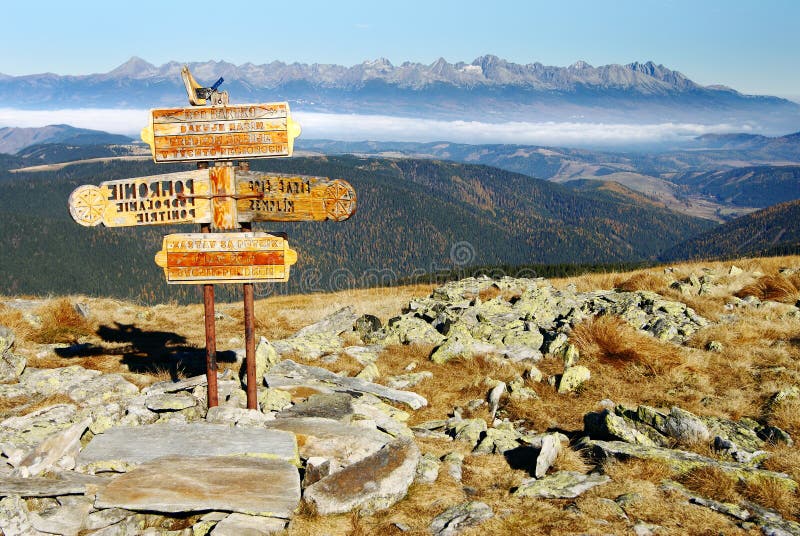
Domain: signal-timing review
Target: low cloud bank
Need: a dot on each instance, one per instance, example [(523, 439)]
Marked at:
[(385, 128)]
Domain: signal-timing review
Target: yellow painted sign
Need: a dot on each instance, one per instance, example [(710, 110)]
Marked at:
[(229, 132), (214, 258), (277, 197), (171, 198)]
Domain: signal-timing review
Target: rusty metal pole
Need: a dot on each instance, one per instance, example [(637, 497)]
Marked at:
[(211, 328), (250, 339)]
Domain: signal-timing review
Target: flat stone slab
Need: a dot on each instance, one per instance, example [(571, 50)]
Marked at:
[(66, 484), (287, 373), (220, 483), (244, 525), (561, 485), (123, 447)]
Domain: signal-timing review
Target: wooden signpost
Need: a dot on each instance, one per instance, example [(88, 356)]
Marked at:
[(221, 196)]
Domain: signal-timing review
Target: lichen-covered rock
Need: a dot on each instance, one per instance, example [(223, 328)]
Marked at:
[(372, 484), (469, 430), (11, 365), (103, 389), (48, 382), (428, 469), (337, 406), (407, 381), (170, 401), (15, 518), (57, 452), (457, 518), (548, 452), (560, 485), (273, 399), (369, 373), (19, 435), (573, 378), (608, 425), (686, 427), (7, 338)]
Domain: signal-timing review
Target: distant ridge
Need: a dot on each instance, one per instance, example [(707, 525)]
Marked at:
[(489, 89), (15, 139)]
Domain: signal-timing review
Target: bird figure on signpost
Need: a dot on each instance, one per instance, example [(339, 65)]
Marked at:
[(200, 95)]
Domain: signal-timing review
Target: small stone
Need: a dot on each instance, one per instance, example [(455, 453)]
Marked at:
[(685, 426), (363, 354), (494, 398), (56, 452), (273, 399), (735, 270), (457, 518), (170, 402), (453, 463), (714, 346), (237, 524), (570, 355), (369, 373), (336, 406), (6, 339), (317, 468), (560, 485), (572, 378), (428, 469), (366, 325), (551, 446)]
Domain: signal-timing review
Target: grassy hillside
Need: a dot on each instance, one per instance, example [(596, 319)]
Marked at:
[(414, 216), (753, 186)]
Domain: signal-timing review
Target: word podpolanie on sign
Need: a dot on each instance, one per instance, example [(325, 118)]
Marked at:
[(214, 258), (230, 132), (197, 197)]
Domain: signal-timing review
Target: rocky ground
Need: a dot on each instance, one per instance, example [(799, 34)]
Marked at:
[(666, 404)]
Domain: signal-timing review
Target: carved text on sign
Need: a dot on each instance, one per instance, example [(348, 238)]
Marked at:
[(162, 199), (221, 132), (212, 258)]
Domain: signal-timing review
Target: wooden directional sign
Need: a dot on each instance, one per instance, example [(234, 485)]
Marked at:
[(181, 197), (213, 258), (230, 132), (275, 197)]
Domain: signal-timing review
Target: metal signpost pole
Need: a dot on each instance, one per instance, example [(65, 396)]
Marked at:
[(211, 328)]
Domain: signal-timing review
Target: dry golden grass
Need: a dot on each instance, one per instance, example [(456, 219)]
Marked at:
[(787, 416), (771, 287), (609, 339), (712, 483), (15, 321), (642, 281), (634, 469), (773, 494), (61, 323)]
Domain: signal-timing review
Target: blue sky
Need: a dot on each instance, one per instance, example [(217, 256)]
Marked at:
[(750, 46)]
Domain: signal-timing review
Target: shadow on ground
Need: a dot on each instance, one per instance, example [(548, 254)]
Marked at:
[(148, 352)]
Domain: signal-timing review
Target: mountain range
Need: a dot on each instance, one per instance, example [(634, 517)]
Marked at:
[(488, 89), (14, 139)]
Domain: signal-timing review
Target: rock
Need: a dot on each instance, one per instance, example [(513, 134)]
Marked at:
[(237, 416), (363, 354), (170, 401), (11, 365), (428, 469), (735, 270), (317, 468), (372, 484), (551, 446), (499, 439), (521, 353), (66, 520), (181, 385), (683, 461), (274, 399), (342, 444), (19, 435), (560, 485), (244, 525), (455, 347), (66, 483), (335, 406), (411, 330), (714, 346), (387, 418), (7, 338), (366, 325), (56, 452), (730, 509), (266, 356), (570, 355), (494, 398), (686, 427), (186, 483), (15, 518), (48, 382), (469, 430), (406, 381), (311, 346), (369, 373), (457, 518), (104, 518), (453, 463), (103, 389), (336, 323), (572, 378), (287, 373), (608, 425), (123, 447)]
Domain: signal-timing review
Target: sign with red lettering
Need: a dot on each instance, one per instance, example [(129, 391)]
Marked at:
[(213, 258), (229, 132)]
